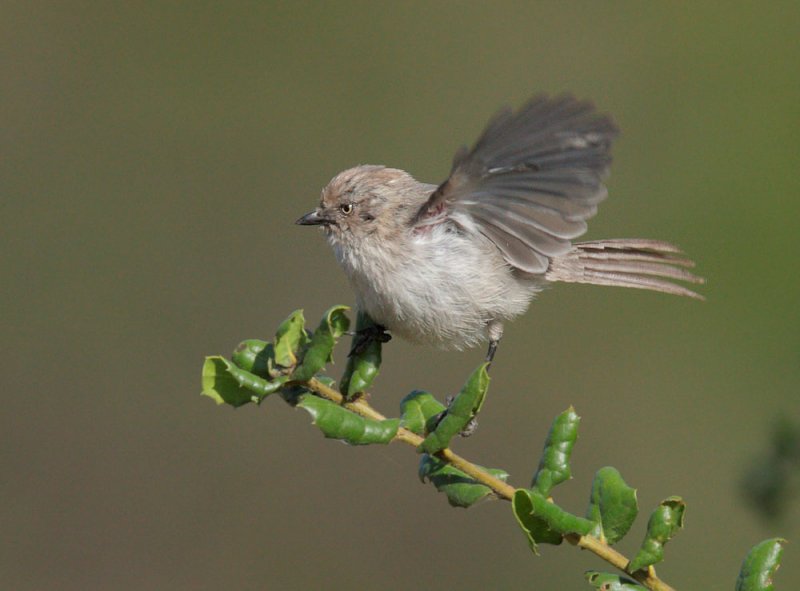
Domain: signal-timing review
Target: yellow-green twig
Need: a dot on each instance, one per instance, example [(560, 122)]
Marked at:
[(501, 489)]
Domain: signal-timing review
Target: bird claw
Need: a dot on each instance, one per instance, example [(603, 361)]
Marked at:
[(366, 336), (469, 428)]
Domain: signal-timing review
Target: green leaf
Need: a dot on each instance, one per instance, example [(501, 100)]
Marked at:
[(461, 489), (336, 422), (220, 385), (536, 529), (362, 368), (544, 522), (759, 566), (417, 409), (554, 466), (289, 338), (612, 505), (255, 356), (228, 384), (663, 524), (460, 412), (609, 582), (320, 350)]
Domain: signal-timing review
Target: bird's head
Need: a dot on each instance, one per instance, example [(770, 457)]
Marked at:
[(365, 202)]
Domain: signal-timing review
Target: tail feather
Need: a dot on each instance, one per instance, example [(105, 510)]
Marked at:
[(636, 263)]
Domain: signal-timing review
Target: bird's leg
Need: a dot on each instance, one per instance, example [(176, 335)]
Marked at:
[(490, 353), (495, 331), (365, 336)]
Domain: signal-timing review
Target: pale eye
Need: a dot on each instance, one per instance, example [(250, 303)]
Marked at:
[(346, 208)]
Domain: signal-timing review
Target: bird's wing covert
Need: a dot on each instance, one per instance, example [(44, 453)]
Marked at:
[(531, 180)]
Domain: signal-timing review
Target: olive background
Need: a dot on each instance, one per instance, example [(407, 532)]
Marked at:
[(154, 156)]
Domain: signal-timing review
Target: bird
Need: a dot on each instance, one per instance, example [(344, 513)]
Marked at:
[(449, 264)]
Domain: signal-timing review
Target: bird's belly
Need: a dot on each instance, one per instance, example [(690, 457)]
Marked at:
[(440, 296), (427, 312)]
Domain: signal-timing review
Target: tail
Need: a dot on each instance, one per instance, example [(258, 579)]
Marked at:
[(626, 262)]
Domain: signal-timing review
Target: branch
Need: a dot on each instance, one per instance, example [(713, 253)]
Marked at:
[(363, 408), (502, 490), (291, 367)]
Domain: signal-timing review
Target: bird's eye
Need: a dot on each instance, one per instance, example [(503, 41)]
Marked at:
[(346, 208)]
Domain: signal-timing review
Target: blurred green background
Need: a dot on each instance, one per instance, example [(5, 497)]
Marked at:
[(154, 157)]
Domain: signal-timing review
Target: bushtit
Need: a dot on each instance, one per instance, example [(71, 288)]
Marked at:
[(447, 265)]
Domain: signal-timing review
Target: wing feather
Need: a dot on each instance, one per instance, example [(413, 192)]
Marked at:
[(531, 180), (518, 253)]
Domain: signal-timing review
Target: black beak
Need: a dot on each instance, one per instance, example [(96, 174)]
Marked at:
[(313, 219)]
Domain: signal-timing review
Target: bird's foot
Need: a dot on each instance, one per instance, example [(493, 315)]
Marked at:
[(366, 336), (468, 430)]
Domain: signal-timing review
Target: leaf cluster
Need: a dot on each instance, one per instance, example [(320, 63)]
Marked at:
[(291, 367)]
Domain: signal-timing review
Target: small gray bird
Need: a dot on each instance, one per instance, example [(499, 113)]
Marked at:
[(447, 265)]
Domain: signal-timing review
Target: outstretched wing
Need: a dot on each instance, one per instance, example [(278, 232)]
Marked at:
[(531, 180)]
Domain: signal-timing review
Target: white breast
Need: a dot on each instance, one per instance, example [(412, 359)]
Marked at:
[(441, 287)]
